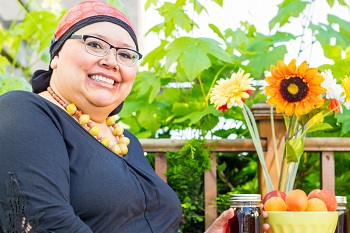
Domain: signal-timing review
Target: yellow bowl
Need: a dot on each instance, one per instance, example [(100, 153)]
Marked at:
[(302, 222)]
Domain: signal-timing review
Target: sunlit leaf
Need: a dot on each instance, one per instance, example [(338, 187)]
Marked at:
[(195, 117), (150, 85), (192, 54), (319, 126), (344, 118), (287, 9), (174, 16), (149, 3), (294, 149), (330, 3)]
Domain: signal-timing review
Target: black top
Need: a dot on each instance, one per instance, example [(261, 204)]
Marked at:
[(72, 183)]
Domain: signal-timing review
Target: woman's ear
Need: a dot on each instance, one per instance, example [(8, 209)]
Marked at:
[(54, 62)]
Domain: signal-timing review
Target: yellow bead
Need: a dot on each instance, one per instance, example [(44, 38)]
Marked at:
[(110, 121), (123, 149), (71, 109), (116, 149), (105, 141), (124, 140), (118, 130), (84, 119), (94, 130)]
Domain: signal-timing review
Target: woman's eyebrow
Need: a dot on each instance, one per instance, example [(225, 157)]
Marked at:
[(125, 45)]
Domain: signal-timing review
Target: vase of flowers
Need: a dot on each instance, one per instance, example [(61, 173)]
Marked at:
[(303, 95)]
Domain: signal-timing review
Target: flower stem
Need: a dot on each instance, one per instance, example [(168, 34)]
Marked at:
[(253, 129), (274, 143)]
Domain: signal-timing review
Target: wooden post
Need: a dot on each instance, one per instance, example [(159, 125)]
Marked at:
[(261, 112), (327, 171), (210, 193), (160, 165)]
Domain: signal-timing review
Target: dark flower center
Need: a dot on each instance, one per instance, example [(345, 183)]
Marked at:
[(294, 89)]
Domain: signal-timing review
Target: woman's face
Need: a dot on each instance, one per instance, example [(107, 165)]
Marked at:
[(86, 79)]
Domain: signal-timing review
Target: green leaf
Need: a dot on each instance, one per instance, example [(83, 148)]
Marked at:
[(319, 126), (287, 9), (149, 3), (217, 31), (174, 16), (263, 60), (3, 64), (332, 52), (193, 54), (343, 25), (294, 149), (344, 118), (195, 117), (330, 3), (219, 2), (150, 85), (149, 120), (342, 2), (9, 83), (198, 7)]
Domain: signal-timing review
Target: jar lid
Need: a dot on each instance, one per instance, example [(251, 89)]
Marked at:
[(341, 199), (245, 197)]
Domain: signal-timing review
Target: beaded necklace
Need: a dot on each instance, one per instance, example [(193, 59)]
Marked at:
[(120, 148)]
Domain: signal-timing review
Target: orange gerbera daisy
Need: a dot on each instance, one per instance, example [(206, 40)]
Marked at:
[(294, 89)]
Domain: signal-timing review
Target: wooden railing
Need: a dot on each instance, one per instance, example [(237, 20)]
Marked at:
[(324, 146)]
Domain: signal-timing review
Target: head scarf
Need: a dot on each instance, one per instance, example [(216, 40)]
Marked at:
[(79, 16)]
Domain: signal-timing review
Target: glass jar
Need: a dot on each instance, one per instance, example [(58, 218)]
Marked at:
[(342, 226), (247, 213)]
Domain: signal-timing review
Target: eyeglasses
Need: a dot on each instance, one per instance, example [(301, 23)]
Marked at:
[(98, 47)]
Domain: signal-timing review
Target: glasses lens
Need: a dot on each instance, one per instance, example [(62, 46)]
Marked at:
[(127, 57), (96, 47), (100, 48)]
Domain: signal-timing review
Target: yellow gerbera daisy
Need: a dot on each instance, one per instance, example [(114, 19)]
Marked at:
[(228, 92), (294, 89), (346, 85)]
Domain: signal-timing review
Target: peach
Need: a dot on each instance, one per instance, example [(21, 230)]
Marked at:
[(316, 204), (274, 193), (296, 200), (275, 204), (326, 196)]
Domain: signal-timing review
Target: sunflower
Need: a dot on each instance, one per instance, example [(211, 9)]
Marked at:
[(228, 92), (294, 89)]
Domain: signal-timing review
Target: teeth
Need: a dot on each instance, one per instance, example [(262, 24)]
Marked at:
[(102, 79)]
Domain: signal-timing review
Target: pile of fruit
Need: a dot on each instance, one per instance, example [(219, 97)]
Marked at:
[(298, 200)]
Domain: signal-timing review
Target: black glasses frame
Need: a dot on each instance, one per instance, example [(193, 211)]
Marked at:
[(84, 37)]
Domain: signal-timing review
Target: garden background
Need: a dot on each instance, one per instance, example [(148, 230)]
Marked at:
[(170, 98)]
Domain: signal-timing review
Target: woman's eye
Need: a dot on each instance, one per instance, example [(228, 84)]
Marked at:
[(125, 55), (96, 45)]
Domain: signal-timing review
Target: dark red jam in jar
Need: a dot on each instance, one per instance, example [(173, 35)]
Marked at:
[(247, 213), (342, 226)]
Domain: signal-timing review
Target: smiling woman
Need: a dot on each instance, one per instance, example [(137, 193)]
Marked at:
[(67, 166)]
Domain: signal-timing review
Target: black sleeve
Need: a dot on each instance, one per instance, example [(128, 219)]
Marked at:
[(33, 149)]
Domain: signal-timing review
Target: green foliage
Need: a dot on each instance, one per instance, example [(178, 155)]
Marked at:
[(237, 173), (288, 9), (8, 83), (185, 176)]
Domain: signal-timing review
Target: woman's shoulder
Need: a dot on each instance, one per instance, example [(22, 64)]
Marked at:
[(27, 103), (18, 96)]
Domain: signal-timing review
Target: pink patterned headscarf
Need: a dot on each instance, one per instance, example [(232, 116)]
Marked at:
[(86, 13)]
